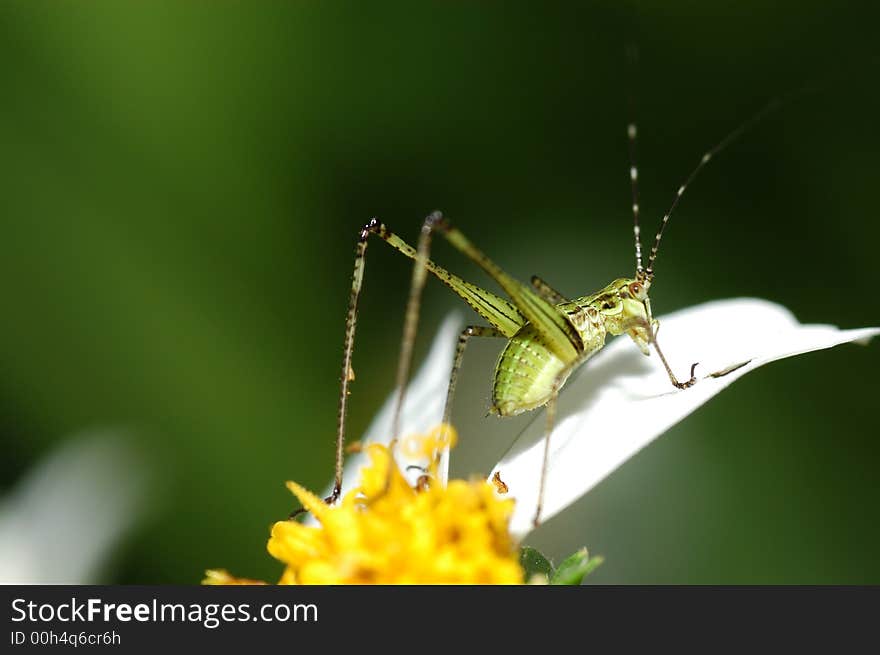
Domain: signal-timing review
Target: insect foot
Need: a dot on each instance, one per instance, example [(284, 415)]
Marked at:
[(689, 383), (329, 500)]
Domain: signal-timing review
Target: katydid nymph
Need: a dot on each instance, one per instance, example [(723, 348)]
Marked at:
[(548, 335)]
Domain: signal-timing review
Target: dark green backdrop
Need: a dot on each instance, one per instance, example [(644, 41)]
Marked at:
[(181, 188)]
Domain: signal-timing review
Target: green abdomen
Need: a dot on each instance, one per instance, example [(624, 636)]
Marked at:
[(525, 374)]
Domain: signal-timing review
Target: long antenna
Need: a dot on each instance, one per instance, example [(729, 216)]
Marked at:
[(771, 106), (632, 58), (632, 132)]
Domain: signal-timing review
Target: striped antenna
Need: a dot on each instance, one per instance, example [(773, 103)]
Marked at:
[(771, 106), (632, 60), (632, 133)]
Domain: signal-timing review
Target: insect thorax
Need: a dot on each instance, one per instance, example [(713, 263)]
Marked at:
[(621, 309)]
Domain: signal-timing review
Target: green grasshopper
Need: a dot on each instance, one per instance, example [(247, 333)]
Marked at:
[(548, 335)]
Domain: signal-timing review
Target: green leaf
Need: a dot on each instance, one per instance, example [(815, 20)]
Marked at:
[(534, 563), (575, 568)]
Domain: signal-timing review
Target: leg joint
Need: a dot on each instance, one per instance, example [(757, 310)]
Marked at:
[(373, 226), (434, 221), (437, 221), (478, 331)]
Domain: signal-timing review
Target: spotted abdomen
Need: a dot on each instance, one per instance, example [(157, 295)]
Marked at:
[(525, 374)]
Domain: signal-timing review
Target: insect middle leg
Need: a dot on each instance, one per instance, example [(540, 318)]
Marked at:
[(463, 338)]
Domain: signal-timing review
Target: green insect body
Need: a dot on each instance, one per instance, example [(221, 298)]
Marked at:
[(529, 372), (548, 335)]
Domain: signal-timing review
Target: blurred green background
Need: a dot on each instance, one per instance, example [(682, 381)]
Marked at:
[(182, 185)]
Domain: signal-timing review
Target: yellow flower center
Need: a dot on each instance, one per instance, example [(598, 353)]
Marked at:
[(386, 532)]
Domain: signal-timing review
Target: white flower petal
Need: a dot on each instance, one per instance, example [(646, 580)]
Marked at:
[(590, 440), (60, 523), (621, 400)]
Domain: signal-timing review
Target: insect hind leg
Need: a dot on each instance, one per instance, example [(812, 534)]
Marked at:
[(420, 255)]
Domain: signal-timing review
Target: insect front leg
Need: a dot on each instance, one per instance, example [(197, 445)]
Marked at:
[(678, 385), (651, 327)]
